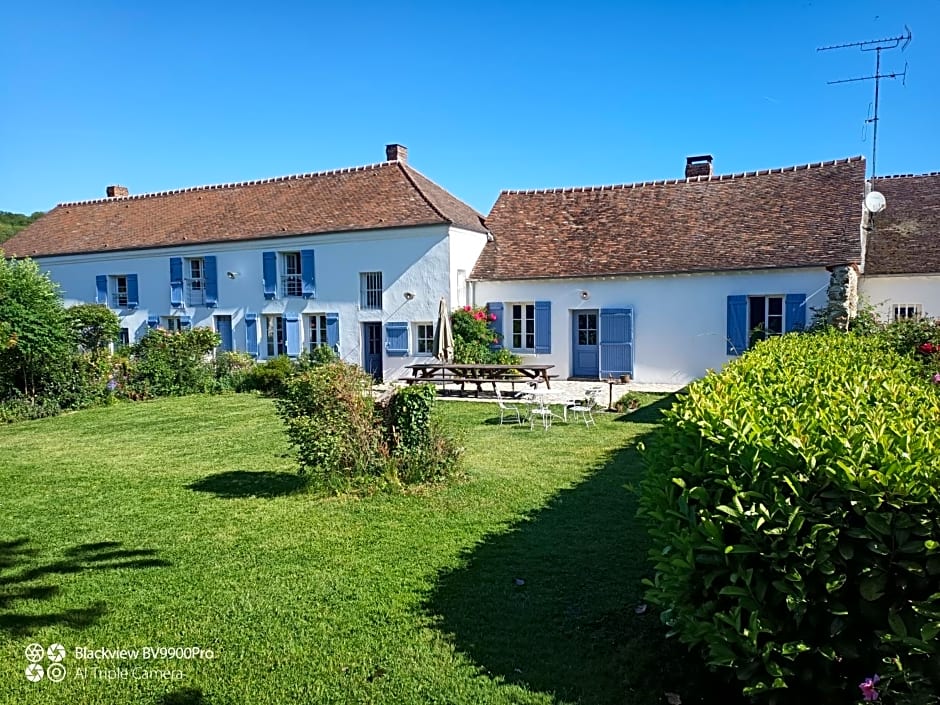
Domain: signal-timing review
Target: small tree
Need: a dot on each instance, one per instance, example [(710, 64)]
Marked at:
[(35, 335), (95, 326)]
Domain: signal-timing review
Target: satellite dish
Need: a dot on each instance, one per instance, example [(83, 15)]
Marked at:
[(875, 202)]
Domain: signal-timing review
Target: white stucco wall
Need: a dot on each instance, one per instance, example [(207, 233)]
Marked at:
[(680, 324), (883, 292), (465, 249), (415, 260)]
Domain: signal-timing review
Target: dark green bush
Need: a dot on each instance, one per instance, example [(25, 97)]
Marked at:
[(271, 376), (171, 364), (793, 502), (421, 449), (331, 421), (232, 370)]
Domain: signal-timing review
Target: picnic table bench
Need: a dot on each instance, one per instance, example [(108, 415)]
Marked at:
[(444, 373)]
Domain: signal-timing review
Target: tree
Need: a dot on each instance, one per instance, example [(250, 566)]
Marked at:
[(95, 326), (35, 330)]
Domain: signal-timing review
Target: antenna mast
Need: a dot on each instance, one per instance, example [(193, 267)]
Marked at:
[(875, 45)]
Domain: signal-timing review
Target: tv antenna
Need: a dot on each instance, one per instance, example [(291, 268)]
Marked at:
[(877, 46)]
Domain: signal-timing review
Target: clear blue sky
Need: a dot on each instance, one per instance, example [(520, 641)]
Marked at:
[(486, 96)]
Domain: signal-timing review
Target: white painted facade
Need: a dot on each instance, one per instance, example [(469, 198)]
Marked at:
[(680, 320), (884, 292), (419, 265)]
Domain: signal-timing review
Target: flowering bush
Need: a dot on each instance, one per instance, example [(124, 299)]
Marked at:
[(475, 342)]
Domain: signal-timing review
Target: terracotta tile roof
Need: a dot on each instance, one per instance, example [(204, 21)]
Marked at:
[(387, 195), (794, 217), (906, 235)]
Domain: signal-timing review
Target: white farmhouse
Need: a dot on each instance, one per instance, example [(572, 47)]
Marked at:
[(664, 280), (357, 259)]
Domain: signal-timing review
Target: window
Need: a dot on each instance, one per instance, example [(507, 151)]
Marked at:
[(906, 311), (370, 290), (195, 282), (316, 331), (119, 297), (461, 287), (765, 317), (274, 336), (291, 282), (176, 324), (523, 326), (124, 337), (424, 338)]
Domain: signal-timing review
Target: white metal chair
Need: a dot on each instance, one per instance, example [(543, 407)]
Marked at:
[(510, 410), (585, 407)]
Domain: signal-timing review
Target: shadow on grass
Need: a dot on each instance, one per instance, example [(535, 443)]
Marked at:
[(183, 696), (25, 578), (649, 413), (265, 484), (552, 604)]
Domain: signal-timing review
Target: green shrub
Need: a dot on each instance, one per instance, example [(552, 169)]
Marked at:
[(331, 421), (271, 376), (421, 448), (232, 370), (22, 408), (793, 502), (171, 364)]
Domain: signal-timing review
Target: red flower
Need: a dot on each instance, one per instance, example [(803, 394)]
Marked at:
[(492, 316), (928, 348), (467, 308)]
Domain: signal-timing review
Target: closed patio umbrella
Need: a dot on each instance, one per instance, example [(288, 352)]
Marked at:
[(443, 334)]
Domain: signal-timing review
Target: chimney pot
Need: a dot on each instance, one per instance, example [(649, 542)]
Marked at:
[(116, 191), (396, 153), (698, 166)]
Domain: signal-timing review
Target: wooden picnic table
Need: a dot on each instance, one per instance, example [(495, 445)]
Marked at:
[(459, 373)]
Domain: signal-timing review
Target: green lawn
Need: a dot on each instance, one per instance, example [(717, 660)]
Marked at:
[(179, 523)]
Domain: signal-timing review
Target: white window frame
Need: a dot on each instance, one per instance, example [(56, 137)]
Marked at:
[(315, 331), (275, 337), (116, 292), (424, 345), (195, 281), (766, 324), (292, 283), (519, 339), (174, 324), (370, 291), (907, 312)]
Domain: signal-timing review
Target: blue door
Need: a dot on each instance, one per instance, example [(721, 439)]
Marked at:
[(372, 349), (585, 350), (223, 326)]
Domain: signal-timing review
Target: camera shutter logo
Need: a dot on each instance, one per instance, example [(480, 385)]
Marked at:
[(56, 653), (34, 673), (35, 652)]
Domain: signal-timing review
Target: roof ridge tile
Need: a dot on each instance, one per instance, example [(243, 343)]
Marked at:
[(234, 184)]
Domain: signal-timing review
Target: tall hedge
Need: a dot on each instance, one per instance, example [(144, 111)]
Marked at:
[(793, 502)]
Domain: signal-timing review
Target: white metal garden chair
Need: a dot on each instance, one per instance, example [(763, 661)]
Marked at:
[(585, 407), (507, 410)]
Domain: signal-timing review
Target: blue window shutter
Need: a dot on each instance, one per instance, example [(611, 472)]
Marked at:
[(101, 289), (186, 323), (133, 295), (308, 274), (269, 273), (543, 327), (153, 321), (251, 334), (616, 342), (210, 272), (795, 311), (292, 333), (332, 331), (737, 324), (176, 282), (396, 339), (496, 308)]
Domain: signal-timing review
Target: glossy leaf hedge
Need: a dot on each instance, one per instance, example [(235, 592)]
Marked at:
[(793, 502)]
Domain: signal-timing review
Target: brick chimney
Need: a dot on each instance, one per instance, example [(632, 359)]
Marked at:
[(698, 166), (396, 153), (116, 191)]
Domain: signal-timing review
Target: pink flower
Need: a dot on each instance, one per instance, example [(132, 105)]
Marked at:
[(927, 348), (492, 316), (867, 687), (936, 378), (466, 308)]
